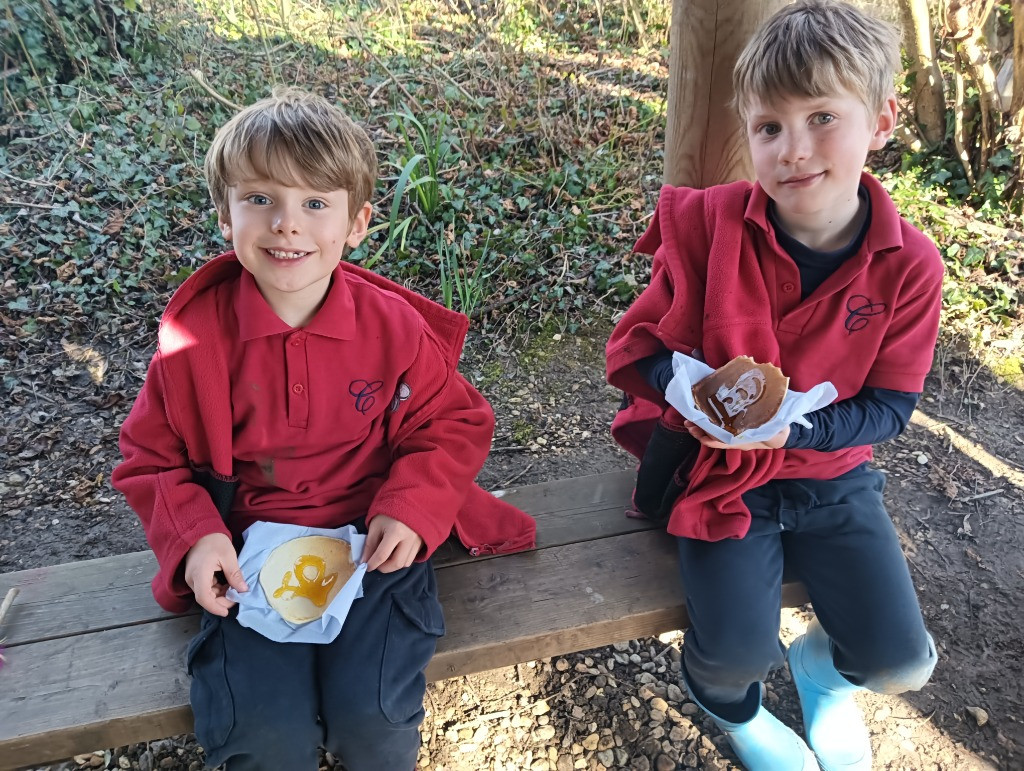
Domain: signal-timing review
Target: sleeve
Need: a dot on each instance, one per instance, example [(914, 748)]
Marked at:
[(668, 314), (657, 370), (873, 415), (156, 479), (437, 451), (905, 355)]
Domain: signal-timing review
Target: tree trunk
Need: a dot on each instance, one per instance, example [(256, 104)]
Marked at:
[(965, 20), (1016, 132), (1017, 103), (704, 141), (926, 92)]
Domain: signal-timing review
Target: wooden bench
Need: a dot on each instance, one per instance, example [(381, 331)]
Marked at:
[(93, 662)]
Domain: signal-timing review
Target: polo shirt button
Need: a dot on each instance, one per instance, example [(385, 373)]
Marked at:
[(789, 286), (297, 388)]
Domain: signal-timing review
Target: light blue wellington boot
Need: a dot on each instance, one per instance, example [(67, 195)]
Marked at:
[(763, 743), (832, 721)]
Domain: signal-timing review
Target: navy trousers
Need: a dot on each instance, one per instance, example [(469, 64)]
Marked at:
[(259, 704), (836, 537)]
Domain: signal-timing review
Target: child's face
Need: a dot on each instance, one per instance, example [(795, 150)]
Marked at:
[(291, 240), (808, 155)]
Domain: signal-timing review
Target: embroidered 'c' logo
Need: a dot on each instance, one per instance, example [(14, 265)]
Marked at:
[(861, 309), (363, 390)]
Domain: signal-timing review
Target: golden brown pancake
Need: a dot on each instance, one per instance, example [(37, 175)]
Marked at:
[(303, 575), (742, 394)]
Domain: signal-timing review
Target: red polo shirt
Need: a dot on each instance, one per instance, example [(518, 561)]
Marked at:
[(721, 283), (361, 412), (310, 404)]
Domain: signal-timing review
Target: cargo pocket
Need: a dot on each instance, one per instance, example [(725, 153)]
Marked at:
[(414, 624), (210, 694)]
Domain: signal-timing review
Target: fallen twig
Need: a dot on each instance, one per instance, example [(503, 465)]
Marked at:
[(197, 76), (480, 719), (504, 485), (394, 79), (979, 496), (5, 606), (84, 224), (10, 202), (936, 550), (519, 294)]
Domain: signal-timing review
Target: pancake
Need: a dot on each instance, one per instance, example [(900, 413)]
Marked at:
[(742, 394), (301, 576)]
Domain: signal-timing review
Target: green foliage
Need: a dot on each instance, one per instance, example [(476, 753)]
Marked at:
[(57, 41), (436, 149), (458, 280), (983, 261), (518, 171), (116, 195)]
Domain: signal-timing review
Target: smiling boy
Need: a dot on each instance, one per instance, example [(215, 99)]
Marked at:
[(291, 387), (810, 268)]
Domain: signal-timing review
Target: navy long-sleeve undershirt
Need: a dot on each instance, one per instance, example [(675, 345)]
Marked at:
[(873, 415)]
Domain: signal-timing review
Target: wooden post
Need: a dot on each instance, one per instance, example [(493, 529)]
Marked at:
[(704, 142)]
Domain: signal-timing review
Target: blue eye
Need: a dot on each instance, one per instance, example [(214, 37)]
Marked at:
[(771, 129), (316, 203), (258, 200), (824, 117)]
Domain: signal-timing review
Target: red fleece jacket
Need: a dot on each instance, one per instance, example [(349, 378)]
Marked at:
[(183, 420), (722, 284)]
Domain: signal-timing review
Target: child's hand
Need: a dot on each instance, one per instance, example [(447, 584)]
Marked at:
[(707, 440), (211, 553), (390, 545)]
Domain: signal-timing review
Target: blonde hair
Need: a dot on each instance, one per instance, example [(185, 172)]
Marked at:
[(817, 48), (294, 138)]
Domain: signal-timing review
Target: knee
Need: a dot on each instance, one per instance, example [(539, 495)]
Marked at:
[(733, 658), (266, 734), (366, 737), (368, 716), (903, 668)]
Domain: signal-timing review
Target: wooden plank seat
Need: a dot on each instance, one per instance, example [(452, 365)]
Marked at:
[(93, 662)]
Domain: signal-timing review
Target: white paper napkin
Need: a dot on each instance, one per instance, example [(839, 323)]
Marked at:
[(255, 612), (795, 405)]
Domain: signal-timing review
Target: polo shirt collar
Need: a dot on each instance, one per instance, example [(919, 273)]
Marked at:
[(884, 234), (336, 317)]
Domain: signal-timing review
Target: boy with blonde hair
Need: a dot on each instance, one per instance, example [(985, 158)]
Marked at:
[(291, 387), (810, 268)]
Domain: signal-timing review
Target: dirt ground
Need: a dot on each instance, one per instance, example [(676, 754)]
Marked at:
[(956, 492)]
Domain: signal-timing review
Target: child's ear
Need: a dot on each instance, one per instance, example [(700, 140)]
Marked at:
[(360, 224), (224, 224), (885, 123)]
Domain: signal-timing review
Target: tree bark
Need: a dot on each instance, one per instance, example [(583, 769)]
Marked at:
[(926, 93), (965, 20), (1016, 131), (704, 141), (1017, 102)]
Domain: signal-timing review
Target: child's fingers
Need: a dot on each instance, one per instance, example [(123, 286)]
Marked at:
[(233, 574), (206, 596), (386, 543), (402, 556), (370, 546), (409, 552), (381, 556), (223, 604)]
